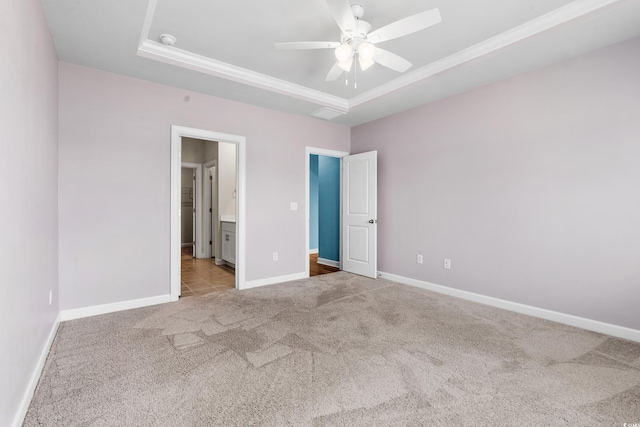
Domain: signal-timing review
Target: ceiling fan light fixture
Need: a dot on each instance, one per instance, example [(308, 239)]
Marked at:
[(344, 52), (346, 65), (366, 51)]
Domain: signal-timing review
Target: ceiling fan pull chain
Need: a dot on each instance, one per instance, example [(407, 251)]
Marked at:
[(355, 71)]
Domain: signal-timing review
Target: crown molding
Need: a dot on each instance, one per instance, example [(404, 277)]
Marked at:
[(545, 22), (148, 19), (189, 60), (192, 61)]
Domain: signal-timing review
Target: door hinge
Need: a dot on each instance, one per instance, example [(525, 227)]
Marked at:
[(209, 242), (210, 177), (194, 210), (210, 210)]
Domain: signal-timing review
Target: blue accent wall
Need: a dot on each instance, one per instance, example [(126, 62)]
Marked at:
[(329, 208), (313, 201)]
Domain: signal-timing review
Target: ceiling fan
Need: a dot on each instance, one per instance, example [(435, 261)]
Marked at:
[(357, 39)]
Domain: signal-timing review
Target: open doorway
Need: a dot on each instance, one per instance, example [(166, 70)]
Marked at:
[(323, 205), (208, 216), (207, 183)]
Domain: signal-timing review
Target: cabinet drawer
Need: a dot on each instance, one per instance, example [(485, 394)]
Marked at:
[(229, 226)]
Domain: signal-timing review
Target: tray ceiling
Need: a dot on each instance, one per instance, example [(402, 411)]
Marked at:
[(227, 49)]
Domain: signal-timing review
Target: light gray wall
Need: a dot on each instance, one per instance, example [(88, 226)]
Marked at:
[(210, 151), (104, 115), (227, 178), (193, 150), (227, 186), (530, 186), (29, 194)]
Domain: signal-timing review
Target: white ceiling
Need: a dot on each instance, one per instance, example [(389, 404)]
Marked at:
[(226, 49)]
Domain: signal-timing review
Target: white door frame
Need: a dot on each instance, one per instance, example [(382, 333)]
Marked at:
[(209, 251), (197, 192), (321, 152), (177, 133)]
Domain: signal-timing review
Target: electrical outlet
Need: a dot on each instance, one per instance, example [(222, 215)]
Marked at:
[(275, 256), (447, 264), (294, 206), (419, 259), (50, 296)]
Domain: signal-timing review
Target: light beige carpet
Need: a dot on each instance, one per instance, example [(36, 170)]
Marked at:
[(337, 350)]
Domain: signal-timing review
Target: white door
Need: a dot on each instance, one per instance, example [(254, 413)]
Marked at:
[(359, 219)]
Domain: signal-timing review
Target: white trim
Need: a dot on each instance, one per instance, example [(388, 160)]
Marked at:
[(95, 310), (329, 262), (209, 250), (273, 280), (308, 151), (567, 319), (18, 419), (189, 60), (177, 133), (148, 19), (192, 61), (313, 251), (200, 251), (545, 22)]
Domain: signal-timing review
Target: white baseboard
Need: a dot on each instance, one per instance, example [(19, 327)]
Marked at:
[(329, 262), (78, 313), (272, 280), (35, 376), (313, 251), (567, 319)]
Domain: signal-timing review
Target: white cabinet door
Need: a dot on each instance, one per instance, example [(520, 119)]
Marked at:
[(229, 242)]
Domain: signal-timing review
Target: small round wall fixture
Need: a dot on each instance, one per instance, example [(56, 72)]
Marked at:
[(167, 39)]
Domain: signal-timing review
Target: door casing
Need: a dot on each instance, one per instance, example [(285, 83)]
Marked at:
[(177, 133), (321, 152)]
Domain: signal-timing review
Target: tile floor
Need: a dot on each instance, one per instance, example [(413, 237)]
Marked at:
[(316, 269), (201, 276)]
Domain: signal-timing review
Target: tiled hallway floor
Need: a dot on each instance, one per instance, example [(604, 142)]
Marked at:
[(316, 269), (201, 276)]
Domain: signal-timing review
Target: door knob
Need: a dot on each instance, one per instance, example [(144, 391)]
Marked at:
[(372, 221)]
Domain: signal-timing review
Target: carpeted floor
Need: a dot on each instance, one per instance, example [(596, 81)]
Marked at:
[(338, 350)]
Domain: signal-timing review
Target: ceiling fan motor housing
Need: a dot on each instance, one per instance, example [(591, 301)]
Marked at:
[(360, 34)]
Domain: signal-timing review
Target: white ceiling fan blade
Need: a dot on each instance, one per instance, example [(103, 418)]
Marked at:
[(406, 26), (391, 60), (307, 45), (334, 73), (341, 11)]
